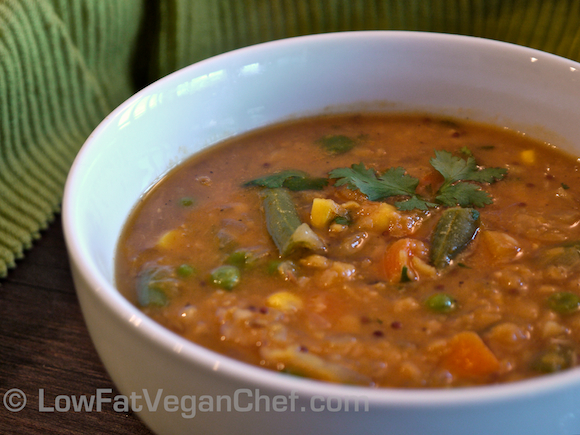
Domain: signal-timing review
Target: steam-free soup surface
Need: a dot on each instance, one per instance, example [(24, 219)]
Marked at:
[(379, 250)]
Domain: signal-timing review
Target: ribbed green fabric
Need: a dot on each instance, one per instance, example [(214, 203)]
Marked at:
[(191, 30), (65, 64)]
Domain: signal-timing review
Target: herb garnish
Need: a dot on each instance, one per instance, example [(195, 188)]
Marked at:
[(458, 188), (337, 144), (290, 179)]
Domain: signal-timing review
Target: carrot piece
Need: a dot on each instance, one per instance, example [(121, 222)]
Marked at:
[(500, 246), (468, 356), (397, 261)]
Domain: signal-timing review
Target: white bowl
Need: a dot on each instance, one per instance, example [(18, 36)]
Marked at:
[(509, 85)]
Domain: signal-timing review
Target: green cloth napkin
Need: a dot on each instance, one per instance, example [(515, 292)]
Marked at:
[(65, 64)]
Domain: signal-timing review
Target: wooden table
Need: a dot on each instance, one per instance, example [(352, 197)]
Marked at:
[(45, 349)]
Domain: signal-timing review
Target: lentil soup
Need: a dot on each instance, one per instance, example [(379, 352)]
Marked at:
[(383, 250)]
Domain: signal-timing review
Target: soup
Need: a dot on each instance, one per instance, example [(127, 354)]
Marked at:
[(405, 251)]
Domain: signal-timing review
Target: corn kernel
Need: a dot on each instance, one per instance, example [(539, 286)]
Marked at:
[(528, 157), (168, 239), (324, 211), (285, 301)]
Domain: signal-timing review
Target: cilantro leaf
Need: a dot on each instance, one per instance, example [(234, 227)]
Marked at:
[(305, 183), (273, 181), (464, 195), (392, 182), (337, 144), (488, 175), (457, 172), (451, 167), (457, 169), (291, 179), (459, 186), (414, 202)]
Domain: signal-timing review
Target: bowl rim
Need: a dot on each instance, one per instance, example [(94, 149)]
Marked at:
[(230, 368)]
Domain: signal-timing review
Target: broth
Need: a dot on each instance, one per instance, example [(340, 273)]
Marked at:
[(383, 250)]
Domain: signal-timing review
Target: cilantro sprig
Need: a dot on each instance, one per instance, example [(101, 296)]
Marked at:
[(459, 186)]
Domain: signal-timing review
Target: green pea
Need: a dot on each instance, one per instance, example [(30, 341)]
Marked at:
[(554, 359), (226, 277), (441, 303), (242, 259), (185, 270), (564, 302)]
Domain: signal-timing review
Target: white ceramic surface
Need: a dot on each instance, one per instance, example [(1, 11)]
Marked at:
[(485, 80)]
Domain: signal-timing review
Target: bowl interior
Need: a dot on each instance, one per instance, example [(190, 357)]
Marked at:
[(508, 85)]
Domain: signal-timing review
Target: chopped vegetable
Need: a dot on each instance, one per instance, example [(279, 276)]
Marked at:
[(384, 216), (455, 230), (441, 303), (468, 356), (501, 246), (324, 211), (272, 267), (168, 239), (305, 237), (528, 157), (226, 277), (293, 360), (185, 270), (341, 220), (337, 144), (154, 285), (244, 258), (400, 260), (284, 225), (566, 255), (284, 301), (564, 302)]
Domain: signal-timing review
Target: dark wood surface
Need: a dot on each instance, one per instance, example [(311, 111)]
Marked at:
[(44, 345)]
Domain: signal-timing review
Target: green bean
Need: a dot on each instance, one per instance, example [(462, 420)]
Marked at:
[(284, 225), (455, 230)]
